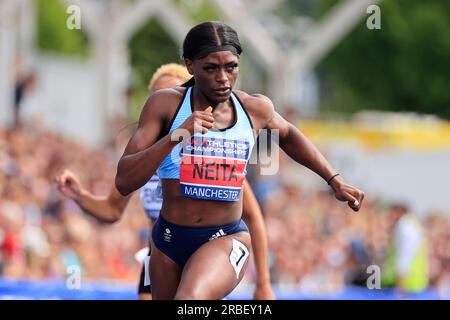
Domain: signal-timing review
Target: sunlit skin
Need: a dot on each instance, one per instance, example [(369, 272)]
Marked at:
[(110, 208), (166, 81), (214, 75), (217, 70)]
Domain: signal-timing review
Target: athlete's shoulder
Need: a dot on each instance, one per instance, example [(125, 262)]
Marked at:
[(162, 101), (167, 95), (259, 107)]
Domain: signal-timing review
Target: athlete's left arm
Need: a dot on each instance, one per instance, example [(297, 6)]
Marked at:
[(301, 149), (252, 215), (106, 208)]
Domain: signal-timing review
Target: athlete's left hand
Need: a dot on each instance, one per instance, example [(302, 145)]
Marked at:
[(263, 292), (69, 185), (345, 192)]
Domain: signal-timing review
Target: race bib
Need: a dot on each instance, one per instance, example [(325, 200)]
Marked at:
[(151, 197), (213, 168)]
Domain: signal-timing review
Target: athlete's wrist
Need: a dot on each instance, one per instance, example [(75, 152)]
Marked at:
[(82, 196), (263, 291), (336, 183), (263, 281)]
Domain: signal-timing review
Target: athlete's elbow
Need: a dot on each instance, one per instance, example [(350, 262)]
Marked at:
[(117, 215), (109, 220), (122, 186), (114, 219), (114, 216)]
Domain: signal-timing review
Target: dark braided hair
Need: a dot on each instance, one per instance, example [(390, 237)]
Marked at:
[(207, 37)]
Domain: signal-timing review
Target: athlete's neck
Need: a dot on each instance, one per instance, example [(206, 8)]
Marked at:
[(201, 101)]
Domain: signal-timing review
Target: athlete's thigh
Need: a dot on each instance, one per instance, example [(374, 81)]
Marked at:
[(164, 275), (216, 268)]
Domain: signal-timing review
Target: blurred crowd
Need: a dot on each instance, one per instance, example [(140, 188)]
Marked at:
[(42, 233), (316, 243)]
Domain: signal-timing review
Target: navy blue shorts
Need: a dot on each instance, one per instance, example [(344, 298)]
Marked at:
[(180, 242)]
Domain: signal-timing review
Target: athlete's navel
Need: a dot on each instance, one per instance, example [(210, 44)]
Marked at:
[(199, 220)]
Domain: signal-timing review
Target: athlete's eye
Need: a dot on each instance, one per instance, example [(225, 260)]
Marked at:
[(209, 68), (231, 68)]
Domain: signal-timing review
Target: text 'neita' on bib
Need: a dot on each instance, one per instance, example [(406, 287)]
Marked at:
[(213, 168)]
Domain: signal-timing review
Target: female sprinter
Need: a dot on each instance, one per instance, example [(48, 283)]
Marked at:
[(199, 138), (110, 208)]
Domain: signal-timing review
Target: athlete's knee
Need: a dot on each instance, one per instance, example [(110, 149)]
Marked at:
[(197, 290), (191, 294), (184, 296)]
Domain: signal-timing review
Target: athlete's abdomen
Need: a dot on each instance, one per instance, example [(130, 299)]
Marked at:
[(187, 211)]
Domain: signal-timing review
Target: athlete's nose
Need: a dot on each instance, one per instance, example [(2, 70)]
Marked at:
[(221, 76)]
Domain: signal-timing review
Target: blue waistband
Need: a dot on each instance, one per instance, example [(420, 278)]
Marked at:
[(180, 242)]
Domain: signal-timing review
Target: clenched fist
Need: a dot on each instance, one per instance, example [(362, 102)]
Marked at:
[(68, 184), (199, 121)]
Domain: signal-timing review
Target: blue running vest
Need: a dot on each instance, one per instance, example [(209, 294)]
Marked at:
[(210, 166)]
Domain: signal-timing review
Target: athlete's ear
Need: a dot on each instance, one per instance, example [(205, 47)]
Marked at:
[(189, 66)]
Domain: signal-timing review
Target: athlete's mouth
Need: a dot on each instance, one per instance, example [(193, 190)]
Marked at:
[(222, 91)]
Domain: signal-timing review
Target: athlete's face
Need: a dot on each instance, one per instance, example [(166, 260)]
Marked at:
[(166, 81), (215, 75)]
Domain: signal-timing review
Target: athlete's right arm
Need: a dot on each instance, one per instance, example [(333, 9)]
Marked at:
[(105, 208), (144, 154)]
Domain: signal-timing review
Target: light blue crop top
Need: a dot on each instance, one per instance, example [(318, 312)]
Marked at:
[(212, 165)]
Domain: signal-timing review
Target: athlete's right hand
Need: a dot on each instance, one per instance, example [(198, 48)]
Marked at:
[(199, 121), (69, 185), (345, 192)]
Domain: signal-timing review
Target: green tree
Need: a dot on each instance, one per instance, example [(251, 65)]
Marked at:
[(150, 47), (53, 34), (402, 67)]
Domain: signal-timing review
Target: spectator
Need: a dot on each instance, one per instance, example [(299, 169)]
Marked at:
[(406, 265)]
